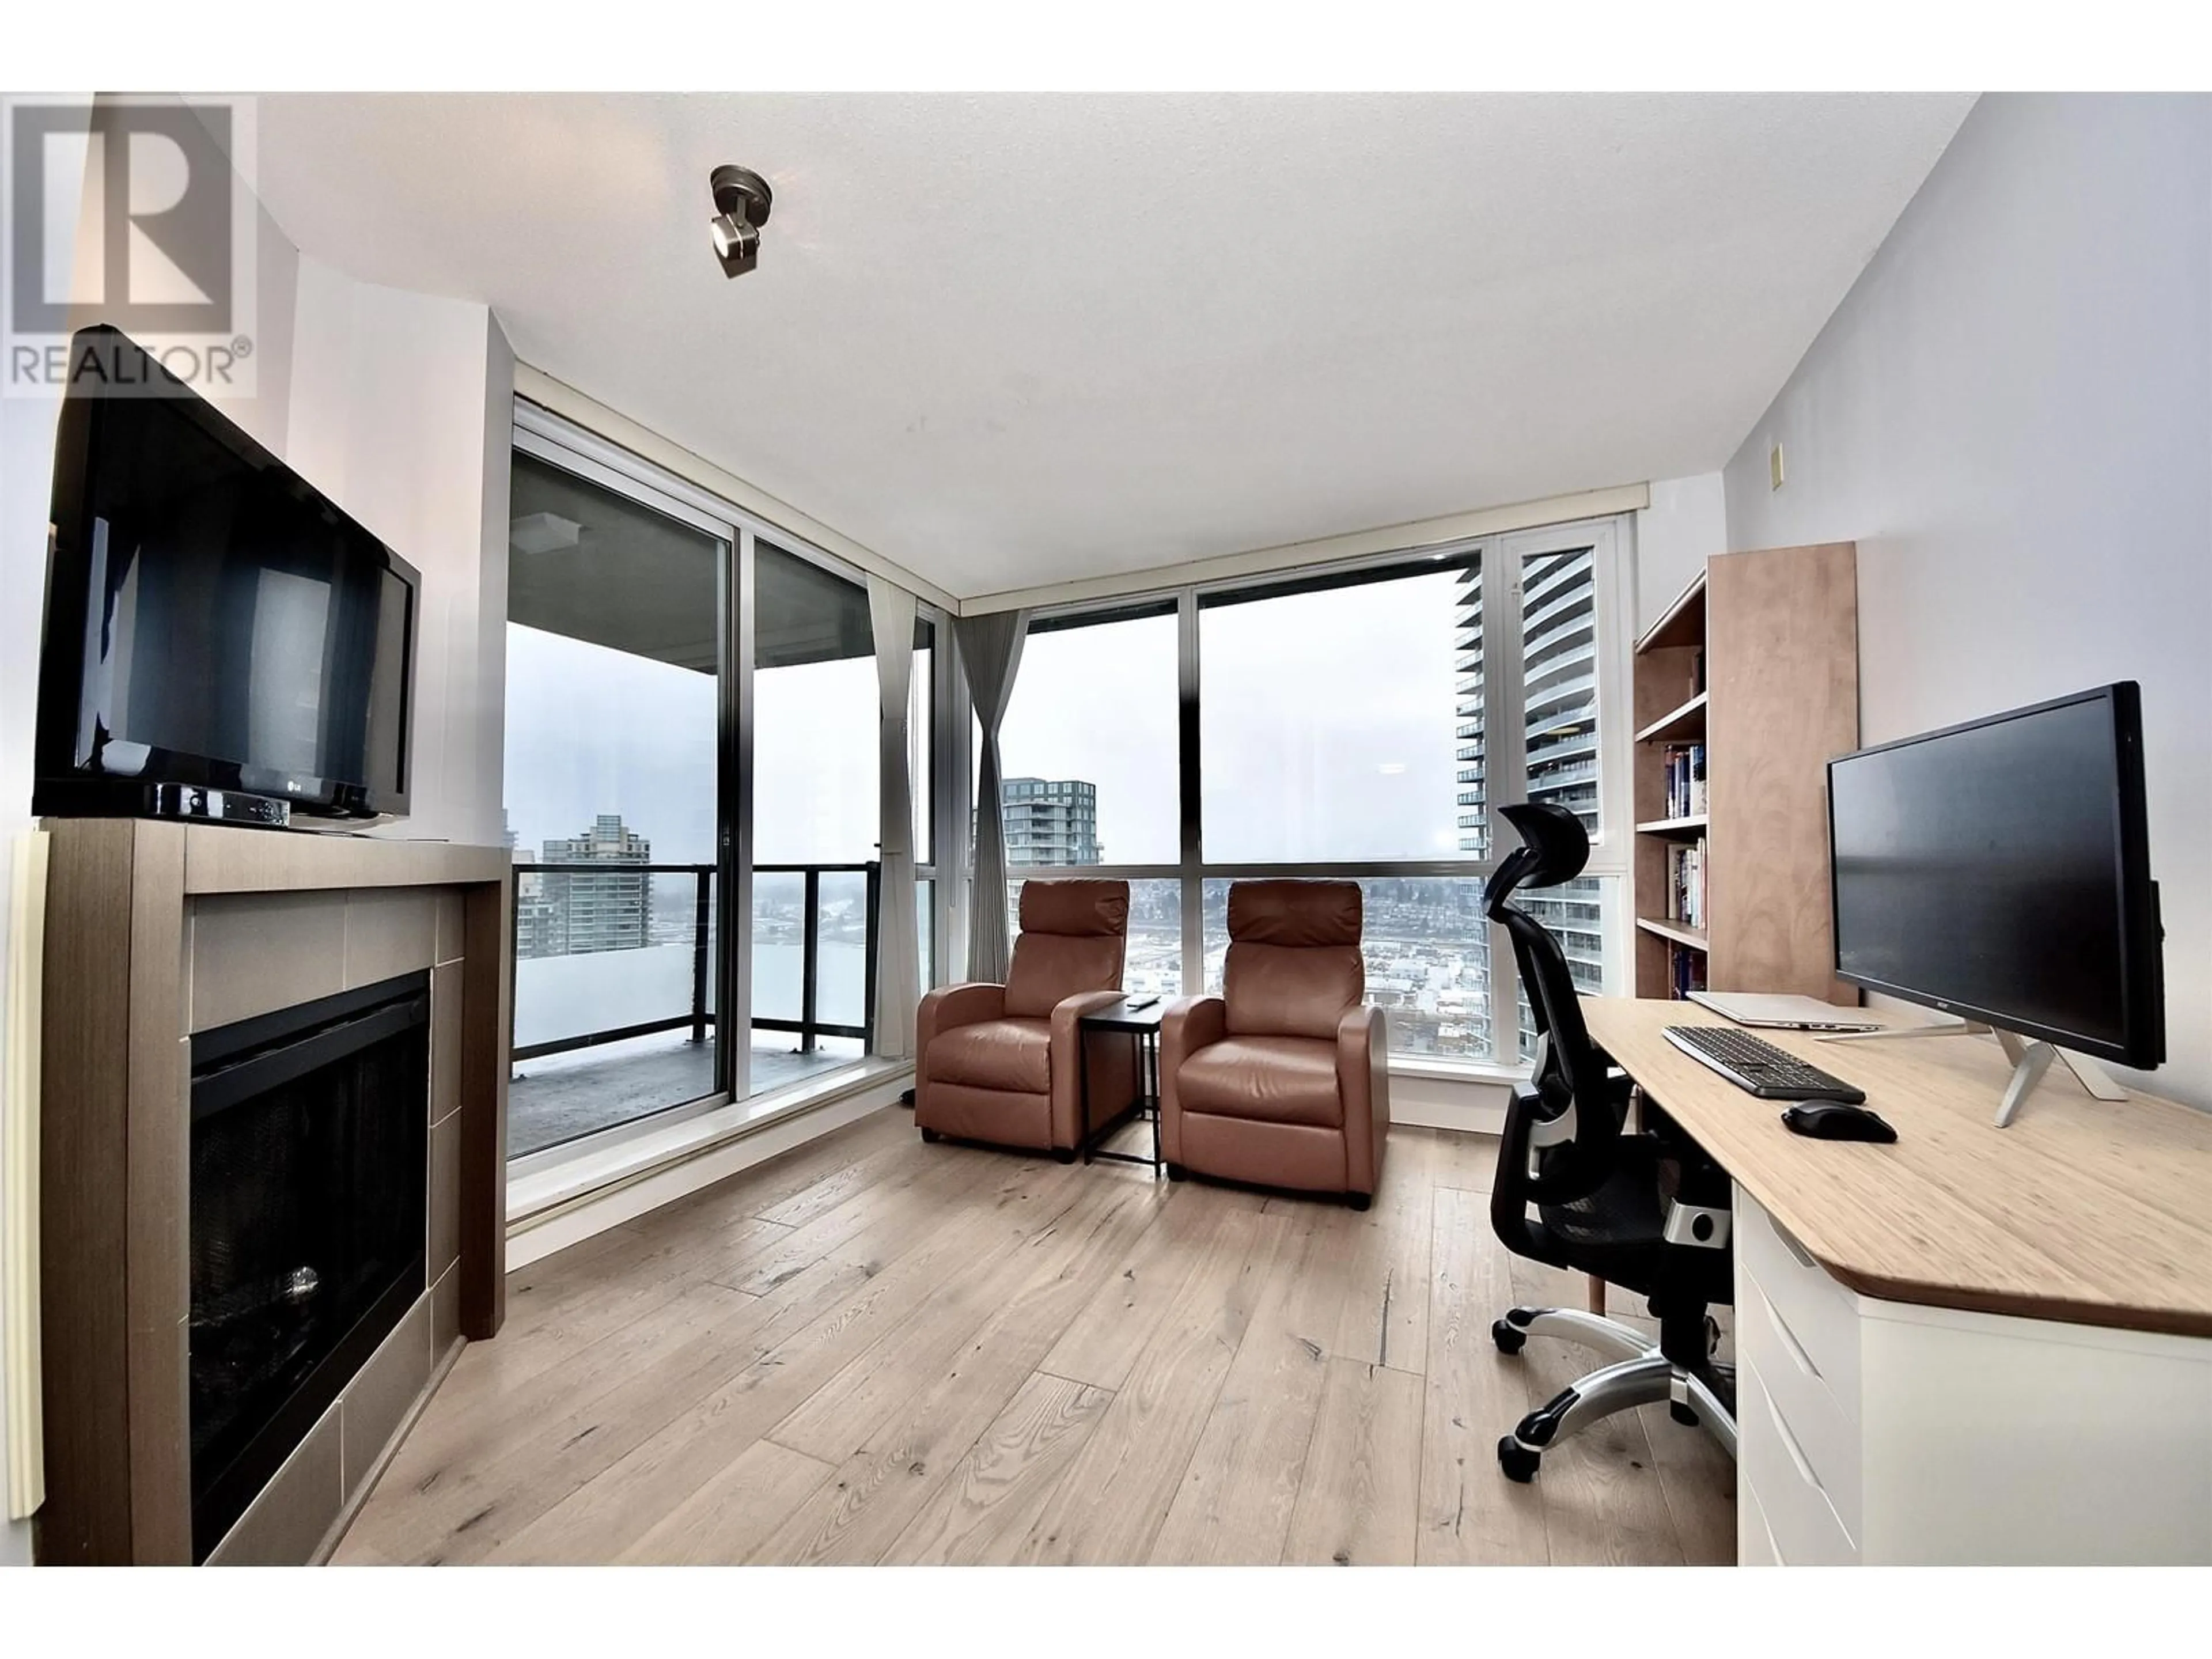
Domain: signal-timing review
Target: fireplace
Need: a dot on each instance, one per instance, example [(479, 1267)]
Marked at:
[(307, 1223)]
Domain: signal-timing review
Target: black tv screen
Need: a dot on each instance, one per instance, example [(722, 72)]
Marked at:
[(212, 619), (2001, 871)]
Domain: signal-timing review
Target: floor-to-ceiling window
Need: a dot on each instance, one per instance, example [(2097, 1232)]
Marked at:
[(693, 741), (1363, 721), (1089, 748)]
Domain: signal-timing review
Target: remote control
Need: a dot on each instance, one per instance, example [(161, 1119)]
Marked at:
[(1133, 1003)]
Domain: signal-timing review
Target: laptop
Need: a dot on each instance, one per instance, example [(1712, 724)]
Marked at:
[(1785, 1013)]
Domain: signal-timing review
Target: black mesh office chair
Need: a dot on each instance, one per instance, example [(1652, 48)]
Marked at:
[(1646, 1212)]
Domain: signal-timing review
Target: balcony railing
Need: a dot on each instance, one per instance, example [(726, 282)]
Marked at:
[(810, 1027)]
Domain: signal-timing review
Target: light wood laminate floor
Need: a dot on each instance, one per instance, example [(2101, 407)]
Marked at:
[(871, 1349)]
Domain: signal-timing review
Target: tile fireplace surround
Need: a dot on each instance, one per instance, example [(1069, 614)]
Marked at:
[(156, 932)]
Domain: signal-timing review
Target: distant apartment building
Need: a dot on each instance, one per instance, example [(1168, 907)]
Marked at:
[(1559, 652), (1474, 815), (1050, 822), (567, 913)]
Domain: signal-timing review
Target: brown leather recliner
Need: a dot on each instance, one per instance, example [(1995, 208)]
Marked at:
[(997, 1063), (1281, 1080)]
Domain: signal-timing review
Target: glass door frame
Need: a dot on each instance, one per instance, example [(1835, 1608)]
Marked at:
[(559, 442)]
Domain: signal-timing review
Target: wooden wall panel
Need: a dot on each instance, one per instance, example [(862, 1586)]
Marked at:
[(83, 1172), (1782, 675), (158, 1151)]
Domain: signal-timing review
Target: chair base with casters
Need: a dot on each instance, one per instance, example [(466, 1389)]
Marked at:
[(1643, 1230), (1702, 1395)]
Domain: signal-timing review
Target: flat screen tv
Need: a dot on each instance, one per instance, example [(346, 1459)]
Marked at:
[(221, 640), (2001, 871)]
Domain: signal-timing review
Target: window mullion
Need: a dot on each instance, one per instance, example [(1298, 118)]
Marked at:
[(1505, 745), (1188, 781)]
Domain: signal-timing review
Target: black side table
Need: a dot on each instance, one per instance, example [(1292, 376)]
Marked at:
[(1121, 1019)]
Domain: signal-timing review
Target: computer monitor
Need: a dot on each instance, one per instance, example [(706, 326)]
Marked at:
[(2001, 871)]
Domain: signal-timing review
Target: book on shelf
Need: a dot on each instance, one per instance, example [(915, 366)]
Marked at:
[(1686, 884), (1685, 971), (1684, 767)]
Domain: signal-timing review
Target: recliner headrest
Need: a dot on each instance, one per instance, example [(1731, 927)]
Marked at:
[(1078, 908), (1294, 913)]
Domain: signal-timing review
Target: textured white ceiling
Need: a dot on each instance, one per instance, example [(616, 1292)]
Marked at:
[(1012, 339)]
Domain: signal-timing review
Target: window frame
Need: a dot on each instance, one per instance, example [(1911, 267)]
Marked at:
[(1504, 557)]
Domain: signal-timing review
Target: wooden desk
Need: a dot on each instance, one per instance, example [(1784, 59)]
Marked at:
[(2093, 1211), (1975, 1345)]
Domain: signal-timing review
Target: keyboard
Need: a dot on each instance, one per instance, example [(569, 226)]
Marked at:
[(1759, 1067)]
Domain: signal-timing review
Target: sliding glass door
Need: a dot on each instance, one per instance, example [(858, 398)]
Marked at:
[(692, 789), (618, 613), (815, 822)]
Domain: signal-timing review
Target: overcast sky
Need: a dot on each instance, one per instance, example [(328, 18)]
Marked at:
[(1329, 723)]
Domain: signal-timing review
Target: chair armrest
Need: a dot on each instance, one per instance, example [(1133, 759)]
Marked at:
[(1068, 1127), (948, 1007), (1190, 1024), (1363, 1079)]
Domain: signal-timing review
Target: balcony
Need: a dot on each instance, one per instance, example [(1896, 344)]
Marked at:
[(627, 1026)]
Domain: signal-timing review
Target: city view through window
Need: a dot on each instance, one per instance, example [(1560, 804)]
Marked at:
[(1294, 772)]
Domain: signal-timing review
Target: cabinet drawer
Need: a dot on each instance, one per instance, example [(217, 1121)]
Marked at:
[(1778, 1479), (1821, 1316), (1754, 1541), (1770, 1351)]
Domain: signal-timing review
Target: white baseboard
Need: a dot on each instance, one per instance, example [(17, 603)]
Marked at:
[(557, 1227), (1466, 1106)]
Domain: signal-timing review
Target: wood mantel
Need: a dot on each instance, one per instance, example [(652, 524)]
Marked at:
[(118, 1005)]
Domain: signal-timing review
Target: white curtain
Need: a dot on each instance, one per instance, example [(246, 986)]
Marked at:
[(991, 651), (898, 973)]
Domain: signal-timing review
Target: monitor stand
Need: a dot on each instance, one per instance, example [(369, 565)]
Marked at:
[(2030, 1058)]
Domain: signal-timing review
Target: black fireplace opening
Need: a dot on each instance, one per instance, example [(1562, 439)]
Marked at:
[(309, 1138)]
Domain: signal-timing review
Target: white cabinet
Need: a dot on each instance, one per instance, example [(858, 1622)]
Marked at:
[(1888, 1432)]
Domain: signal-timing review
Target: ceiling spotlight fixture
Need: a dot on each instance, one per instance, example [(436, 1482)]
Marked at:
[(742, 198)]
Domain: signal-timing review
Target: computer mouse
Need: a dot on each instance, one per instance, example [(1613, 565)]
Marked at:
[(1831, 1119)]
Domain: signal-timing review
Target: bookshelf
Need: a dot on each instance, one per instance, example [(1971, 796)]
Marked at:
[(1744, 688)]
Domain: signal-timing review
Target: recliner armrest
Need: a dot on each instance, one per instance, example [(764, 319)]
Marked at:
[(947, 1007), (1068, 1060), (1190, 1024), (1363, 1083)]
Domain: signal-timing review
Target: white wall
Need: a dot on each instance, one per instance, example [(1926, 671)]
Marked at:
[(2011, 413), (401, 404), (1686, 524)]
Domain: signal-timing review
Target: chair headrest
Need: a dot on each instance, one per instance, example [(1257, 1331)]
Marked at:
[(1554, 847), (1079, 908), (1294, 913)]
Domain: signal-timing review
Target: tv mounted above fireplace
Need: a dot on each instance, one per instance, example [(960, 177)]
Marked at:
[(221, 640)]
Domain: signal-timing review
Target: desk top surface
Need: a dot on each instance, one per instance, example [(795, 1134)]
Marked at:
[(2093, 1212)]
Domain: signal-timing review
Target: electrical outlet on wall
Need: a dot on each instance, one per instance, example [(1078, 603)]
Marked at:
[(1774, 467)]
